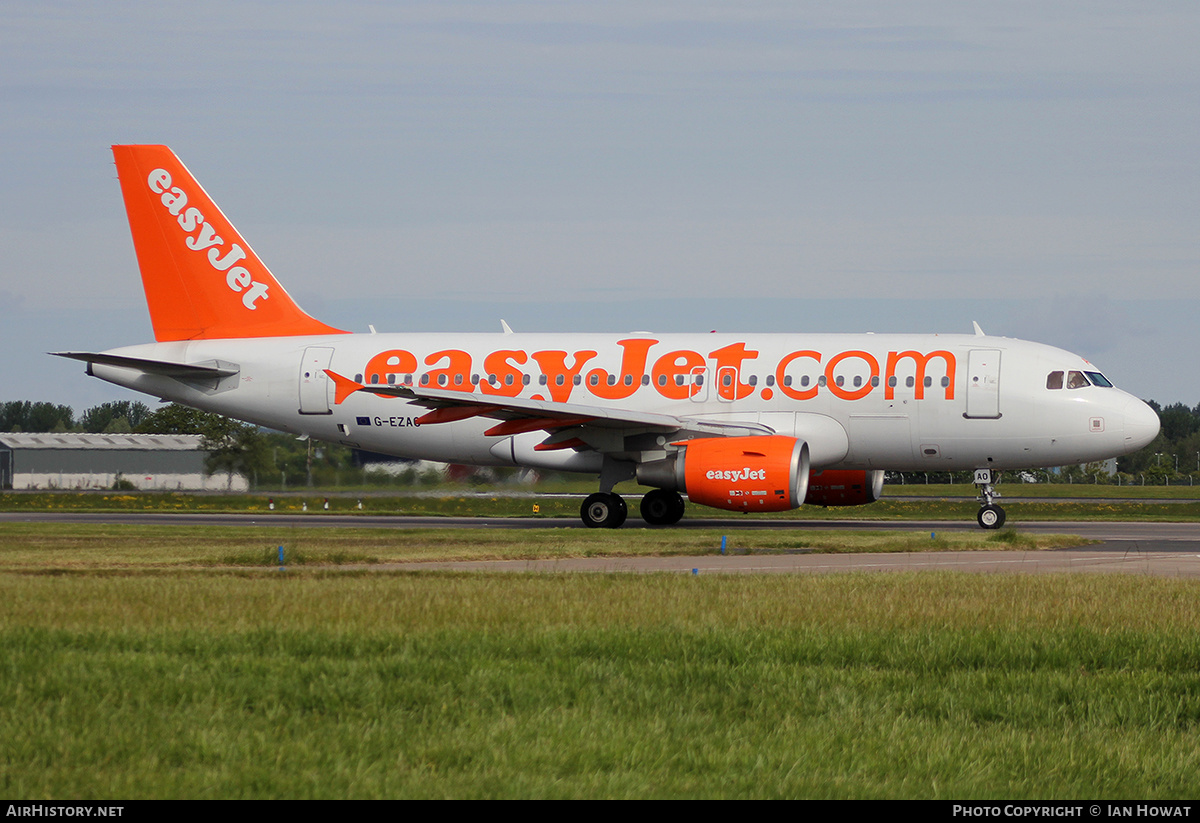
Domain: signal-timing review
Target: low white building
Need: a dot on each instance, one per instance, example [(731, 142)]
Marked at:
[(162, 462)]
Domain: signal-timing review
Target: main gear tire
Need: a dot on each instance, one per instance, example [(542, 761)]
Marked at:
[(662, 507), (603, 510)]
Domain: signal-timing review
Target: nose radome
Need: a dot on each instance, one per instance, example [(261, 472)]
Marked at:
[(1141, 425)]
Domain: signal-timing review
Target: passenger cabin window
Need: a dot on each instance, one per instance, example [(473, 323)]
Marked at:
[(1054, 380), (1076, 380)]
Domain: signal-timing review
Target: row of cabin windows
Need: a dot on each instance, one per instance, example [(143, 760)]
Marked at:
[(1077, 380), (695, 379)]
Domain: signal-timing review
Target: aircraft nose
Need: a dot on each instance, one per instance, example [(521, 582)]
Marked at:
[(1141, 425)]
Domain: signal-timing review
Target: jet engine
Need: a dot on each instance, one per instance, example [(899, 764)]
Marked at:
[(843, 487), (767, 473)]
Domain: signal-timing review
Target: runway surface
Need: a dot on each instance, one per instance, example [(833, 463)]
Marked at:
[(1168, 549)]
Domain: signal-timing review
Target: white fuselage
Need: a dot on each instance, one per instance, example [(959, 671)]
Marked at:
[(862, 401)]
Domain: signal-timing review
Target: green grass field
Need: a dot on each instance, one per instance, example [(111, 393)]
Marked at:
[(445, 685), (150, 662)]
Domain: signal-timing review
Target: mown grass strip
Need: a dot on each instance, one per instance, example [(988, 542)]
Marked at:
[(37, 547)]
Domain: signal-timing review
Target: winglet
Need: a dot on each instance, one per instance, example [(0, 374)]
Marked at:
[(343, 387), (202, 279)]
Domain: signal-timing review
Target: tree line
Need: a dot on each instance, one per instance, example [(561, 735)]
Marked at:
[(1174, 456)]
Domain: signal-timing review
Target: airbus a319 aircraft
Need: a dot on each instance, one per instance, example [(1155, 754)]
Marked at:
[(742, 422)]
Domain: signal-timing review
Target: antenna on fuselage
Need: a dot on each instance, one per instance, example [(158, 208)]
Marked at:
[(978, 331)]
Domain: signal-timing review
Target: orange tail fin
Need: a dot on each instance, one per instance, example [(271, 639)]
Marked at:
[(202, 280)]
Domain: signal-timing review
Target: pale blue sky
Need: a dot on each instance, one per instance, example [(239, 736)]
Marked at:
[(607, 166)]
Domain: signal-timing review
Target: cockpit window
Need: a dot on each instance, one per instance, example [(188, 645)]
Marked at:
[(1098, 379), (1054, 380), (1076, 380)]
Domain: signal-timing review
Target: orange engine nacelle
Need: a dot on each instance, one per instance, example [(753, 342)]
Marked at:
[(844, 487), (766, 473)]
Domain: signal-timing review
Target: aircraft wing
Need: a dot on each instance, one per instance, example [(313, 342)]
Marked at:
[(569, 424)]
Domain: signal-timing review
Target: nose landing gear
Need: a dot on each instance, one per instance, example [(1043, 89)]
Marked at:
[(990, 515)]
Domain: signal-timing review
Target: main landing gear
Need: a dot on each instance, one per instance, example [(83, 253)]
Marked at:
[(990, 515), (605, 510)]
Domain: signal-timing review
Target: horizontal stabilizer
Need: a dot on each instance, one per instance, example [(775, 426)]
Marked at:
[(180, 371)]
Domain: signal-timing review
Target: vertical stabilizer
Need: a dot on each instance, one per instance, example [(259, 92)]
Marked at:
[(202, 280)]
